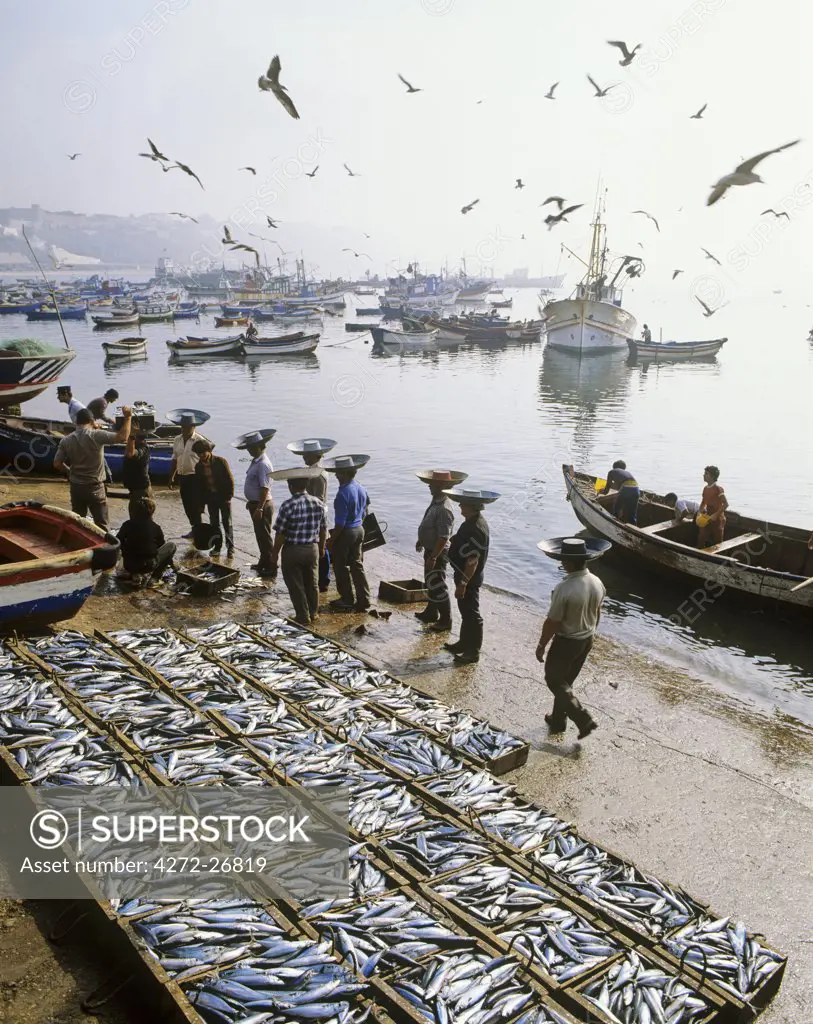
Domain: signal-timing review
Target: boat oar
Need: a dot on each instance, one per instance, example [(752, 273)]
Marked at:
[(50, 289), (803, 584)]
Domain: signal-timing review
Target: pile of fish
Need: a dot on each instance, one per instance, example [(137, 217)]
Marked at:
[(366, 882), (437, 847), (524, 826), (468, 987), (494, 893), (632, 993), (473, 791), (726, 953), (560, 942), (410, 751), (215, 764)]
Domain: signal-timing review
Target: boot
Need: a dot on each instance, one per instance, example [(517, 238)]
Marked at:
[(429, 614)]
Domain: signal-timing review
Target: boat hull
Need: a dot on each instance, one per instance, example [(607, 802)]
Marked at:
[(586, 326), (205, 350), (674, 351), (120, 350), (404, 339), (25, 377), (64, 314), (281, 346), (114, 322)]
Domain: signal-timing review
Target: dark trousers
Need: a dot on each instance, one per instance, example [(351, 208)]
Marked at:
[(348, 564), (137, 493), (190, 496), (471, 624), (439, 606), (262, 531), (220, 519), (300, 564), (324, 571), (151, 566), (90, 498), (626, 505), (562, 665)]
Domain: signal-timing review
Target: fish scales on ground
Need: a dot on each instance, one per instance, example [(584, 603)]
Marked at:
[(437, 847), (494, 893), (563, 944), (633, 993)]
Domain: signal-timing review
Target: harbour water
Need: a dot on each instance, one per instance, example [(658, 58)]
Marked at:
[(511, 416)]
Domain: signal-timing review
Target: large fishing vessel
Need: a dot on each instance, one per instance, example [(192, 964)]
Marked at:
[(592, 320)]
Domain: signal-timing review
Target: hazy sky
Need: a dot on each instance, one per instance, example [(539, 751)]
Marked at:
[(99, 77)]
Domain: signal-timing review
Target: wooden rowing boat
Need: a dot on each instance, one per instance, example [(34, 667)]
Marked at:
[(116, 321), (674, 351), (125, 348), (404, 339), (205, 348), (759, 560), (284, 344), (231, 321)]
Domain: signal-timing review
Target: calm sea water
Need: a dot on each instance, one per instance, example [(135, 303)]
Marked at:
[(510, 417)]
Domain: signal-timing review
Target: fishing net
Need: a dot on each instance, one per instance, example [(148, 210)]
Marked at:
[(27, 347)]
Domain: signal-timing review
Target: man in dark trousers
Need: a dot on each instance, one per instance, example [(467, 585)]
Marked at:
[(257, 492), (301, 534), (311, 449), (216, 484), (347, 536), (468, 554), (144, 550), (434, 534), (573, 617), (135, 467), (81, 456), (184, 461)]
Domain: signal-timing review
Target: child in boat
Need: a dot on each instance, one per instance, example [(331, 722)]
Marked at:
[(684, 508), (144, 551), (713, 505)]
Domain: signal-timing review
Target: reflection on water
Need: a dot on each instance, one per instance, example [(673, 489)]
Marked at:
[(510, 415)]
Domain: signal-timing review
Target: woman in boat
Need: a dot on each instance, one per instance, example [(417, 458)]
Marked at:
[(145, 552), (620, 479), (713, 505)]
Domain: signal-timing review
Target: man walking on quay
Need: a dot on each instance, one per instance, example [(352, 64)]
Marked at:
[(434, 534), (301, 533), (311, 450), (257, 492), (347, 536), (573, 617), (82, 455), (184, 461), (468, 554)]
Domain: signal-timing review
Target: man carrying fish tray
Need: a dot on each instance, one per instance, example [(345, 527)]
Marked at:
[(301, 533), (434, 534), (571, 623)]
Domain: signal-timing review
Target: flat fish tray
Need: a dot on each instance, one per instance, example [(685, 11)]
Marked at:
[(402, 591), (208, 578)]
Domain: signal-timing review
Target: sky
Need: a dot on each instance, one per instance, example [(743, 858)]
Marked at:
[(99, 78)]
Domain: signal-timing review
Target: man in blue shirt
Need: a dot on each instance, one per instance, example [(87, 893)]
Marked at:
[(257, 491), (301, 535), (347, 535)]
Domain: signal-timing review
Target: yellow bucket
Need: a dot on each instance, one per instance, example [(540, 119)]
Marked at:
[(600, 485), (702, 519)]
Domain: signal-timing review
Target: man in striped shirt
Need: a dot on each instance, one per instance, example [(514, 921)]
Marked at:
[(301, 534)]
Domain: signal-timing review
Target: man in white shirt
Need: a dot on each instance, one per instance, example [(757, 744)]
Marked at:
[(257, 492), (65, 395), (184, 460), (573, 617), (684, 507)]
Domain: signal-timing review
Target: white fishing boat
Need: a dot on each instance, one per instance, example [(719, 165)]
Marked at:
[(674, 351), (405, 339), (116, 321), (205, 348), (592, 320), (125, 348), (282, 345)]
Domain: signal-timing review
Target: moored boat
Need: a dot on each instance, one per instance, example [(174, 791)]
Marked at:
[(231, 321), (125, 348), (19, 307), (417, 339), (756, 559), (284, 344), (47, 560), (205, 348), (369, 311), (25, 376), (188, 313), (501, 303), (674, 351), (64, 313), (155, 314), (115, 322)]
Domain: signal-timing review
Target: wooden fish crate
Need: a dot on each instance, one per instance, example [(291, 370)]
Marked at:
[(403, 591), (191, 579)]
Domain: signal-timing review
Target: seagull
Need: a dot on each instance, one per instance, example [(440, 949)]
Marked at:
[(654, 221), (559, 200), (557, 218), (189, 171), (707, 310), (710, 256), (519, 183), (247, 169), (410, 88), (744, 173), (271, 222), (270, 82), (72, 156), (365, 234), (247, 248), (357, 253), (629, 55), (549, 94), (699, 115), (352, 174), (227, 236), (312, 174), (675, 273), (522, 238), (155, 154), (777, 215), (599, 92), (183, 216), (470, 207)]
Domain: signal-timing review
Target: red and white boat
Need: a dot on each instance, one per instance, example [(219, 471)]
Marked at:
[(25, 376)]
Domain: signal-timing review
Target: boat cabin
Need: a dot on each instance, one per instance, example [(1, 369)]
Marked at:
[(598, 292)]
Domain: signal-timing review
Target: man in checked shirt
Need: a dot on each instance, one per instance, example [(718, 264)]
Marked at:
[(301, 534)]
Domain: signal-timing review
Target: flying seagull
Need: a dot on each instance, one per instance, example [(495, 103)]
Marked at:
[(271, 222), (183, 216), (247, 248), (269, 82), (699, 115), (365, 234), (777, 215), (675, 273), (227, 236), (557, 218), (522, 238), (654, 221), (707, 310), (559, 200), (155, 153), (744, 173), (628, 55), (470, 207), (710, 256), (247, 169), (189, 171), (519, 183), (599, 92), (312, 174), (353, 174), (357, 253), (72, 156), (410, 88), (263, 238), (549, 94)]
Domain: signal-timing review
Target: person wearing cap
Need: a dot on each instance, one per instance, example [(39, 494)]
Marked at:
[(434, 533), (216, 486), (182, 470), (571, 624), (301, 534), (65, 395), (81, 455), (347, 536), (468, 554), (98, 406), (257, 492), (311, 450)]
